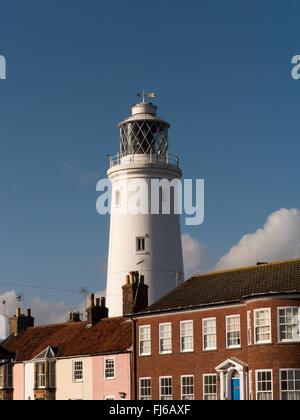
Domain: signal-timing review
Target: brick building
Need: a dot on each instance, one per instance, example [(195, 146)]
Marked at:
[(232, 334)]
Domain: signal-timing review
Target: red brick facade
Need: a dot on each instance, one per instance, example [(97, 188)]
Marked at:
[(272, 356)]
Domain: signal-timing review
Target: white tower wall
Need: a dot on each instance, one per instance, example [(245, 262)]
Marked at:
[(161, 259), (4, 330)]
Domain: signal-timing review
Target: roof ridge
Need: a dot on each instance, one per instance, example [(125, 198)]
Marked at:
[(66, 323), (229, 270), (57, 325)]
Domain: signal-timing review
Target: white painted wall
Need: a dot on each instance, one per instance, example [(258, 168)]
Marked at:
[(29, 381), (163, 253), (4, 329)]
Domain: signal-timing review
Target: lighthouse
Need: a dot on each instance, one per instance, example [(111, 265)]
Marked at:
[(145, 233)]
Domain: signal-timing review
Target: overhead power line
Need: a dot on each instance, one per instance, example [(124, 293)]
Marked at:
[(41, 287)]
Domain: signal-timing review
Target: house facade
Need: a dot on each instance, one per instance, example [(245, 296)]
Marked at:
[(70, 361), (231, 335)]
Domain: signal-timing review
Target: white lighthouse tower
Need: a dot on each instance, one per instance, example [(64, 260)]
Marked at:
[(146, 239)]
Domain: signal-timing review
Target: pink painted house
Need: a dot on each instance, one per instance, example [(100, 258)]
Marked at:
[(75, 360), (111, 377)]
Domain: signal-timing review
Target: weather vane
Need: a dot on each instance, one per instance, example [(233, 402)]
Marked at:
[(147, 95)]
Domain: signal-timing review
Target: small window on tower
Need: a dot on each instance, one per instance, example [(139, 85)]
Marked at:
[(118, 198), (140, 244)]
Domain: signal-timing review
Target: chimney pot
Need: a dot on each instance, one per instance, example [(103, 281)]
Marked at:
[(28, 312), (135, 297), (136, 277), (18, 312), (96, 313), (92, 300), (131, 275), (74, 317)]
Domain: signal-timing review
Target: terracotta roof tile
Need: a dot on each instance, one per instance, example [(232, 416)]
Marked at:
[(111, 335)]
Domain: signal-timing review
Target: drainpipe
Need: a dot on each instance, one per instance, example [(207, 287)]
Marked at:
[(134, 356)]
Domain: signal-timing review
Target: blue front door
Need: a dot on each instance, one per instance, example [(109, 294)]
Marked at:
[(235, 386)]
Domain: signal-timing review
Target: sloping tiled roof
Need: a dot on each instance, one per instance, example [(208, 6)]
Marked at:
[(110, 335), (5, 354), (232, 286)]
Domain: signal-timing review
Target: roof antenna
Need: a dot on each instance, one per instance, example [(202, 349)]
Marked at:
[(19, 298), (84, 290), (4, 303)]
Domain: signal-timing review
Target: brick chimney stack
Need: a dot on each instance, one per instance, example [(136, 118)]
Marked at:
[(74, 317), (96, 312), (135, 293), (20, 322)]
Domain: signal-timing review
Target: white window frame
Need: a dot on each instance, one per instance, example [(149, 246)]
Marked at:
[(260, 326), (182, 336), (164, 338), (207, 334), (257, 392), (2, 375), (9, 376), (109, 397), (160, 388), (52, 374), (76, 362), (280, 382), (288, 340), (145, 397), (183, 395), (227, 320), (105, 368), (250, 386), (40, 375), (215, 394), (249, 328), (140, 244), (142, 334)]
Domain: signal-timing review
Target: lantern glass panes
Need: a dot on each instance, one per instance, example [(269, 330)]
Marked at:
[(141, 137)]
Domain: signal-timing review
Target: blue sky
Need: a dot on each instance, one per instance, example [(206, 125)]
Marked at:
[(222, 75)]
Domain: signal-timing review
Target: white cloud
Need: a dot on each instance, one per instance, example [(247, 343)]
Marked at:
[(195, 256), (42, 311), (278, 240)]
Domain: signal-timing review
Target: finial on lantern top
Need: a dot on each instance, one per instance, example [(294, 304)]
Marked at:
[(147, 95)]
